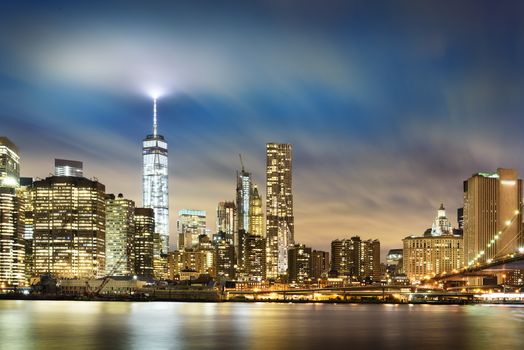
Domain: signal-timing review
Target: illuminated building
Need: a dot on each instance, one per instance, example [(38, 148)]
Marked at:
[(492, 215), (299, 263), (9, 164), (279, 208), (225, 255), (198, 262), (252, 260), (120, 229), (256, 215), (190, 225), (65, 167), (155, 181), (226, 220), (143, 242), (244, 187), (319, 264), (25, 192), (428, 255), (394, 262), (69, 227), (12, 264), (356, 258), (441, 226)]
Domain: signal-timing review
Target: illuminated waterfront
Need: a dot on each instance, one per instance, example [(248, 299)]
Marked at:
[(156, 325)]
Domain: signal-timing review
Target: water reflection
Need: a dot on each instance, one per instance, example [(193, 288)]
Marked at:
[(119, 325)]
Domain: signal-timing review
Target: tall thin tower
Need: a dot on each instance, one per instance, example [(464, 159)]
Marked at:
[(280, 225), (155, 194)]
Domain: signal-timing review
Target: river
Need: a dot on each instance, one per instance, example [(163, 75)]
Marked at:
[(78, 325)]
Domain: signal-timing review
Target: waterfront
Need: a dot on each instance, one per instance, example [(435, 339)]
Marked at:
[(161, 325)]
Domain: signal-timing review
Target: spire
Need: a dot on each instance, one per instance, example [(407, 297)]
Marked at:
[(154, 118), (441, 206)]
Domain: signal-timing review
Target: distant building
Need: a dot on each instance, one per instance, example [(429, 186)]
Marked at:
[(155, 183), (299, 263), (190, 225), (356, 259), (9, 164), (143, 242), (256, 214), (12, 253), (25, 192), (319, 264), (120, 231), (394, 263), (492, 215), (441, 251), (280, 225), (225, 256), (244, 188), (69, 227), (226, 220), (64, 167), (255, 257)]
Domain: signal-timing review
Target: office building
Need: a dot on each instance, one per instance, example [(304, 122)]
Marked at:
[(356, 259), (492, 216), (254, 258), (9, 164), (155, 193), (64, 167), (12, 252), (225, 256), (25, 192), (226, 220), (244, 188), (143, 242), (299, 264), (190, 225), (256, 214), (69, 227), (319, 264), (279, 208), (120, 228)]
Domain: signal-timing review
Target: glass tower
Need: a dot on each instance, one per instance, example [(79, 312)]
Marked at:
[(155, 193)]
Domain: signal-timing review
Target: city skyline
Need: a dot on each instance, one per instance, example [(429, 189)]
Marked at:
[(441, 114)]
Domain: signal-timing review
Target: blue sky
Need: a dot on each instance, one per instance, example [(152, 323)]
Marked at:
[(389, 106)]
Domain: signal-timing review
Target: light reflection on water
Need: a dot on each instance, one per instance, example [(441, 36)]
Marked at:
[(156, 325)]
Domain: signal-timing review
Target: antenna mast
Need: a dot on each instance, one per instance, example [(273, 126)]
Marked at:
[(154, 118), (241, 162)]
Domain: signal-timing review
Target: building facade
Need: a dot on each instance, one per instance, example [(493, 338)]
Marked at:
[(299, 264), (280, 231), (12, 249), (492, 216), (9, 164), (319, 264), (256, 214), (120, 229), (227, 220), (69, 227), (143, 243), (155, 192), (190, 225), (64, 167), (356, 259)]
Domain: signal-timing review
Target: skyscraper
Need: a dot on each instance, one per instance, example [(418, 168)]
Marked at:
[(143, 242), (120, 229), (190, 225), (492, 215), (69, 227), (64, 167), (244, 186), (299, 264), (9, 163), (226, 220), (280, 230), (256, 215), (356, 258), (155, 181)]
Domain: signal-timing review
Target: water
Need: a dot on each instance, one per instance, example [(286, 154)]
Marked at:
[(79, 325)]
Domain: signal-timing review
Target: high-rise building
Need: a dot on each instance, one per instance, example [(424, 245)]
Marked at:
[(394, 262), (226, 220), (120, 228), (12, 252), (155, 192), (319, 264), (25, 192), (9, 164), (143, 242), (64, 167), (492, 215), (69, 227), (280, 230), (356, 258), (190, 225), (256, 215), (254, 257), (225, 255), (299, 263), (244, 187)]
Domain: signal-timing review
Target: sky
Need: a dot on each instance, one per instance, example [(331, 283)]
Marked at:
[(389, 105)]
